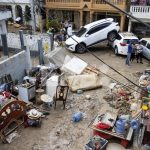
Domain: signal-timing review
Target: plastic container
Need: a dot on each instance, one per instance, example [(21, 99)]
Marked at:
[(103, 143), (51, 85), (120, 126), (77, 117)]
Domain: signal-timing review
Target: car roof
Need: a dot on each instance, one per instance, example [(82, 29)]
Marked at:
[(98, 22), (128, 35), (146, 39)]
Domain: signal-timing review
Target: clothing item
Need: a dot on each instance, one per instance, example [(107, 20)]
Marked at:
[(69, 31), (128, 59), (130, 48)]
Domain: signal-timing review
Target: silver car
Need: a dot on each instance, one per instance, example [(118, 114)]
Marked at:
[(145, 43)]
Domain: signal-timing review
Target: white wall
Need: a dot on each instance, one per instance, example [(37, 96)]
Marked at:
[(3, 29), (15, 65), (13, 41)]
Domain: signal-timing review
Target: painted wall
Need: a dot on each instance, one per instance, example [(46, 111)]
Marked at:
[(13, 41), (15, 65)]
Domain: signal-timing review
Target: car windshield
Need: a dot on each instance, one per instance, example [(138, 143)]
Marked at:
[(81, 32), (127, 41)]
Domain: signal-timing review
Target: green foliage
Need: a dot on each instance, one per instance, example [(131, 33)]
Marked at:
[(53, 24), (27, 13)]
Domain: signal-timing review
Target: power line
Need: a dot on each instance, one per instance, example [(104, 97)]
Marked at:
[(108, 65), (111, 77)]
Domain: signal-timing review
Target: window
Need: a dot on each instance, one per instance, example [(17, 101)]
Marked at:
[(81, 32), (98, 28), (143, 42), (148, 46)]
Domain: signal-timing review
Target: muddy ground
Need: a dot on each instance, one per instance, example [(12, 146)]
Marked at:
[(58, 132)]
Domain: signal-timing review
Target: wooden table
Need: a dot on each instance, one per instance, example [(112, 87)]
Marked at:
[(124, 138)]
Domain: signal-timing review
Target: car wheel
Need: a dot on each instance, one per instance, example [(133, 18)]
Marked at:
[(116, 50), (112, 36), (81, 48)]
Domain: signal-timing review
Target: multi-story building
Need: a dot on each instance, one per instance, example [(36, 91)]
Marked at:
[(18, 8), (141, 10), (81, 12)]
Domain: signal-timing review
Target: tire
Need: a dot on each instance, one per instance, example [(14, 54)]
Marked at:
[(81, 48), (112, 36), (116, 50)]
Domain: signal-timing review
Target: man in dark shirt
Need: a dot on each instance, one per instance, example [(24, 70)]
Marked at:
[(129, 54)]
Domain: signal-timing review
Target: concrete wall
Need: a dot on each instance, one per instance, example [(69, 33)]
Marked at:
[(13, 41), (15, 65), (3, 29)]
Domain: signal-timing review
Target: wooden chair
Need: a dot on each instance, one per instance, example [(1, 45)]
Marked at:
[(61, 94)]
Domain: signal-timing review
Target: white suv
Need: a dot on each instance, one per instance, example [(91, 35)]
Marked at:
[(92, 34), (120, 45)]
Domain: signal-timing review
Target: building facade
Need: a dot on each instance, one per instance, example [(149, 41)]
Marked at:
[(141, 10), (81, 12), (18, 8)]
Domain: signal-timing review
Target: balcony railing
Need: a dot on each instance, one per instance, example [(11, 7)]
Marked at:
[(140, 11), (15, 1), (92, 4)]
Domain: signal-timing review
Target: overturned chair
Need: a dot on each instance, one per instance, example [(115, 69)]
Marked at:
[(61, 94)]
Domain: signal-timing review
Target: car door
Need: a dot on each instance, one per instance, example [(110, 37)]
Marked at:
[(148, 51), (96, 34), (143, 44)]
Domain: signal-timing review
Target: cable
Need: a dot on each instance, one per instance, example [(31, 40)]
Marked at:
[(107, 64), (111, 77)]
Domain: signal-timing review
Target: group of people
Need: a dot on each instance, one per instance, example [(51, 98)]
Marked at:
[(64, 33), (135, 51)]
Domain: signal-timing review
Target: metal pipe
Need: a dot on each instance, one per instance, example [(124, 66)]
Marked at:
[(131, 16)]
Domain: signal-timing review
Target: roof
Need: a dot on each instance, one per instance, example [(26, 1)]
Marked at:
[(99, 21), (128, 35), (146, 39)]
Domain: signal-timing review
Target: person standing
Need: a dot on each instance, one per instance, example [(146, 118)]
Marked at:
[(133, 52), (139, 53), (129, 54), (69, 30)]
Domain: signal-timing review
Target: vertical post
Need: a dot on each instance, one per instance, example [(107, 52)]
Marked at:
[(40, 51), (122, 23), (28, 57), (4, 45), (51, 41), (81, 18), (33, 15), (21, 40)]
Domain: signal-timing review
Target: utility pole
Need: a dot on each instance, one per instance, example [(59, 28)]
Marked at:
[(33, 15)]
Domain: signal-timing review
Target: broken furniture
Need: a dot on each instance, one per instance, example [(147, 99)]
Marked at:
[(61, 94), (47, 101), (12, 115), (26, 93), (109, 131), (7, 82), (39, 92)]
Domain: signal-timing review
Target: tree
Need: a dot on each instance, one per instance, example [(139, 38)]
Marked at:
[(53, 24)]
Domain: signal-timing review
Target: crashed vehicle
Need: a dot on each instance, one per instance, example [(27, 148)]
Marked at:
[(92, 34)]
